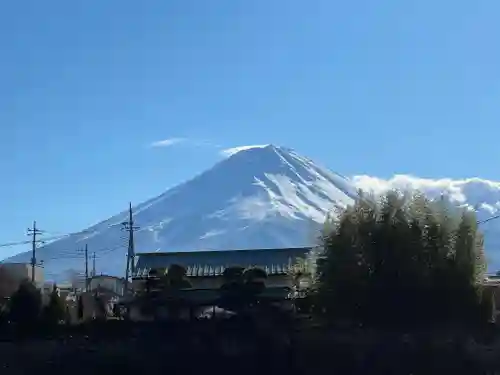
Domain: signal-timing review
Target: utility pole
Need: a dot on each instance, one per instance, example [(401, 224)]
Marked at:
[(86, 268), (93, 264), (129, 227), (86, 255), (33, 232)]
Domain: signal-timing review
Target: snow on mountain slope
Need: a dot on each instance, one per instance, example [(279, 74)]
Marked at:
[(482, 195), (257, 197)]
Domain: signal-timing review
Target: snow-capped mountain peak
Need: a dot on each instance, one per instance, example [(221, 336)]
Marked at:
[(257, 197), (233, 150), (263, 196)]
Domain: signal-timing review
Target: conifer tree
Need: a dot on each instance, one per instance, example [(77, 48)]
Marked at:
[(25, 305), (401, 259)]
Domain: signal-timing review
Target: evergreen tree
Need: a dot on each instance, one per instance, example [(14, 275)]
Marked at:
[(25, 305), (175, 278), (241, 287), (172, 282), (255, 283), (401, 259), (232, 288), (233, 275)]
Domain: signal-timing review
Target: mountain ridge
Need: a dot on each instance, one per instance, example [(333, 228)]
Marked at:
[(258, 197), (261, 196)]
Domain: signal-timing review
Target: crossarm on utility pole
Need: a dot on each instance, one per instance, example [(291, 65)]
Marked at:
[(33, 232)]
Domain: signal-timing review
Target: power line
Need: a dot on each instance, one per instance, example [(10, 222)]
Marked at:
[(79, 254), (42, 240), (489, 219), (57, 236), (53, 238)]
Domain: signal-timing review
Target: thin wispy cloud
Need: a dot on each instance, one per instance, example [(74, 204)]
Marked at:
[(177, 141), (168, 142)]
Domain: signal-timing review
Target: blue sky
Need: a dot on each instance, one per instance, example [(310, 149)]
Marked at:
[(375, 87)]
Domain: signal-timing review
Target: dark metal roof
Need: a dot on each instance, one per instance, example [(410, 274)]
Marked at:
[(213, 263)]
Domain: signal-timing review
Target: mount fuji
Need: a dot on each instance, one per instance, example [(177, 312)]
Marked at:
[(257, 197)]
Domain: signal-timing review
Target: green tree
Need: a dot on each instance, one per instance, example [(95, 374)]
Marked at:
[(255, 279), (172, 282), (401, 259), (175, 278), (55, 310), (241, 287), (255, 283), (232, 288), (25, 305), (233, 275), (300, 270)]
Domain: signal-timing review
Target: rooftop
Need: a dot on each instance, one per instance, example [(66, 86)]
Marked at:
[(213, 263)]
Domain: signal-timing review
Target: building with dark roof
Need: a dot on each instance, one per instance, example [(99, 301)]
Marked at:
[(112, 284), (205, 268)]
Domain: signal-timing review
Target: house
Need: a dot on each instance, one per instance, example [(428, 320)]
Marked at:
[(491, 286), (97, 298), (114, 285), (205, 268), (12, 274), (63, 289)]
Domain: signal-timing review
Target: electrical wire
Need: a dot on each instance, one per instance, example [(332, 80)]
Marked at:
[(488, 219), (43, 239), (57, 236), (76, 255), (65, 235)]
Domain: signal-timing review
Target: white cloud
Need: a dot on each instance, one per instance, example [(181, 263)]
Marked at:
[(456, 190), (167, 142), (184, 141)]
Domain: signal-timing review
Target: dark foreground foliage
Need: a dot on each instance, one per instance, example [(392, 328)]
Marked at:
[(180, 347), (398, 292), (244, 347)]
